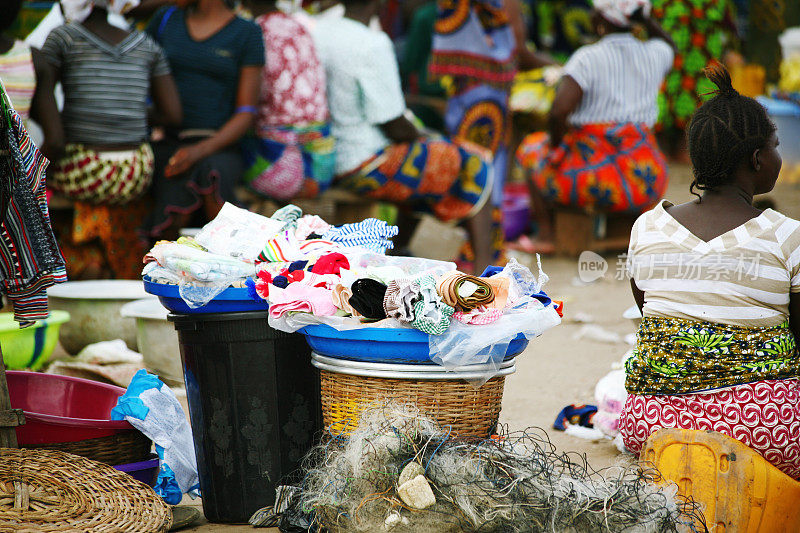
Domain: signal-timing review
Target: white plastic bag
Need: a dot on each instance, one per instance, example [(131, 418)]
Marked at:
[(238, 233)]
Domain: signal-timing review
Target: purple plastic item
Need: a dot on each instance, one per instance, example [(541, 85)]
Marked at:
[(516, 215), (144, 471)]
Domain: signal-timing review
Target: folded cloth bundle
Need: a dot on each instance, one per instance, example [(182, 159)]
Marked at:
[(284, 247), (372, 234), (464, 292), (431, 315), (310, 224), (500, 286), (399, 300), (341, 299), (289, 215), (367, 298), (480, 316), (331, 264), (299, 297)]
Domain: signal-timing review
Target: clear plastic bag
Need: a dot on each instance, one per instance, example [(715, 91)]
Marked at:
[(469, 345)]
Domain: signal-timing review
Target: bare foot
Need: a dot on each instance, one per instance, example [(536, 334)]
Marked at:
[(533, 246)]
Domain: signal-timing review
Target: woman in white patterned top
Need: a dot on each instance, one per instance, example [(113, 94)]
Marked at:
[(600, 153), (718, 283)]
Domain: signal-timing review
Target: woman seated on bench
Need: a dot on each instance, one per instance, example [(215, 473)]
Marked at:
[(600, 153), (291, 154), (379, 152), (718, 283)]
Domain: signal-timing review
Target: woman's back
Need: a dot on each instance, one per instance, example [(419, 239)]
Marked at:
[(742, 277), (620, 77), (293, 84), (105, 86)]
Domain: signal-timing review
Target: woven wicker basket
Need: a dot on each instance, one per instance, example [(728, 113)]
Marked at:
[(46, 490), (118, 449), (469, 411)]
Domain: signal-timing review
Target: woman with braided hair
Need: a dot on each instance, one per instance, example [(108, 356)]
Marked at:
[(718, 284)]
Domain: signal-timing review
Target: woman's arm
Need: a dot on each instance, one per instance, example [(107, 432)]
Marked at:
[(168, 102), (794, 314), (638, 295), (568, 97), (44, 109), (233, 130)]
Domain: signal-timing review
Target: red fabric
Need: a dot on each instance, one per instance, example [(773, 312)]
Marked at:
[(331, 264), (293, 82), (764, 415), (608, 167)]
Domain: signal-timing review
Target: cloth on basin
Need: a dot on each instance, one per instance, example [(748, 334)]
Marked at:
[(299, 297)]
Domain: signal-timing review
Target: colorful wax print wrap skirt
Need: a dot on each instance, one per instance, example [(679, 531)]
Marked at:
[(286, 162), (600, 167), (104, 238), (449, 180), (734, 380), (113, 178)]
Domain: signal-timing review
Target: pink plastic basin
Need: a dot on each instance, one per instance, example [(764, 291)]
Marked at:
[(63, 409)]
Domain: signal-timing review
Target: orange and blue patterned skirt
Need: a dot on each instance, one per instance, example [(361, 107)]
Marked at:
[(440, 177), (601, 167)]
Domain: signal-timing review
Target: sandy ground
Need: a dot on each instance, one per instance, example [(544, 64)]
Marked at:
[(558, 369)]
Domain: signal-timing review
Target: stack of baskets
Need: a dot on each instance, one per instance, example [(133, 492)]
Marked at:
[(364, 366)]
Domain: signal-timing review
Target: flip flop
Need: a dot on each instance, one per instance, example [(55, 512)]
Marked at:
[(183, 516), (532, 246)]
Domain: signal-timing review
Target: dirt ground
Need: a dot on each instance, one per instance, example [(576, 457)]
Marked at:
[(558, 369)]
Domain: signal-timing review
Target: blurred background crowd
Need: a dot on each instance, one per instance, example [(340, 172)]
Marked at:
[(154, 113)]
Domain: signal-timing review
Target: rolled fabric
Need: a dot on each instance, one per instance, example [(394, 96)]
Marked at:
[(399, 300), (456, 290), (341, 299), (500, 286), (367, 298), (431, 314)]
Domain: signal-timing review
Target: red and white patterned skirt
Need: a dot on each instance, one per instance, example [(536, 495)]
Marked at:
[(764, 415)]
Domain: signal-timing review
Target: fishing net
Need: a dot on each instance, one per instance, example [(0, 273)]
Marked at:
[(513, 482)]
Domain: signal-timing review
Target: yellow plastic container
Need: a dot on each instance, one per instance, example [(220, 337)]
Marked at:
[(749, 80), (741, 491)]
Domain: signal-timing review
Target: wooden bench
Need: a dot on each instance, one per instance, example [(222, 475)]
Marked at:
[(577, 231)]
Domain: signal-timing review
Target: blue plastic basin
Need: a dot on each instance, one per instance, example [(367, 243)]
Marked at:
[(381, 345), (230, 300)]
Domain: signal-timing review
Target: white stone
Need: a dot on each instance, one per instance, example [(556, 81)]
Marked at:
[(417, 493), (411, 470)]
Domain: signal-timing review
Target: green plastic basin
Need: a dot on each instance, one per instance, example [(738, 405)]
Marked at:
[(30, 347)]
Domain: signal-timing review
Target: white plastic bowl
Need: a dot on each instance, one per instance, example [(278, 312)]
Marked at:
[(157, 339), (94, 307)]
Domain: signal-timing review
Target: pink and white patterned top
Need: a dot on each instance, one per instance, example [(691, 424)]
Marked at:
[(293, 82)]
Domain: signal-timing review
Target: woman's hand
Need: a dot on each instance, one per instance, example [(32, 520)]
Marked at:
[(184, 159)]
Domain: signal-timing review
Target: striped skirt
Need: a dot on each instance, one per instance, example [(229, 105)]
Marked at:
[(112, 178), (598, 166)]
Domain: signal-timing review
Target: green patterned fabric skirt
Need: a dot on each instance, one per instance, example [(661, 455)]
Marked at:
[(676, 356)]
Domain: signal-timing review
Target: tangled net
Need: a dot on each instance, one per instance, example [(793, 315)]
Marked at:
[(516, 482)]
